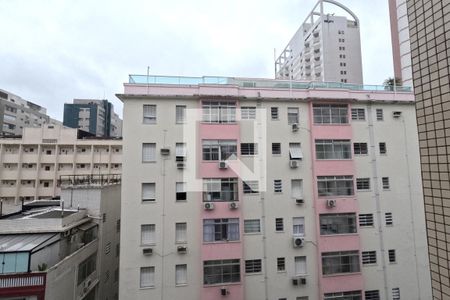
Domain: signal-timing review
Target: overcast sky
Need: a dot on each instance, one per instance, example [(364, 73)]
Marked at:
[(52, 51)]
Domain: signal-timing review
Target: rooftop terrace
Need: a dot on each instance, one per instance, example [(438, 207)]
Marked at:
[(258, 83)]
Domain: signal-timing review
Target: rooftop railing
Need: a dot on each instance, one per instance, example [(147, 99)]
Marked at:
[(89, 180), (260, 83)]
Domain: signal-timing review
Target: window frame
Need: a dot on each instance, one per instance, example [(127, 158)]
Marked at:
[(253, 224), (219, 112), (333, 149), (293, 115), (358, 114), (223, 149), (222, 268), (146, 157), (180, 114), (152, 192), (328, 186), (151, 270), (330, 114), (366, 220), (249, 149), (330, 221), (253, 266), (220, 230), (149, 114), (337, 262), (363, 184), (209, 185), (369, 257)]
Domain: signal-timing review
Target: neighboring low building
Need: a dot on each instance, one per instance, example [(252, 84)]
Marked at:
[(94, 116), (17, 113), (239, 188), (67, 249), (31, 164)]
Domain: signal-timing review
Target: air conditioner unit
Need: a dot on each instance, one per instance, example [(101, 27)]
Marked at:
[(223, 165), (182, 249), (224, 291), (331, 203), (208, 206), (181, 165), (293, 163), (295, 281), (233, 205), (147, 251), (298, 241), (302, 280), (298, 280), (295, 127), (165, 151), (396, 114), (299, 201)]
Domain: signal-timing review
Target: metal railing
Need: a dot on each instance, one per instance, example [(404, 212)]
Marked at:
[(89, 180), (22, 280)]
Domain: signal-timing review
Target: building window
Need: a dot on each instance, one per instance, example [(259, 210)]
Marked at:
[(335, 185), (252, 226), (372, 295), (293, 117), (253, 266), (379, 114), (358, 114), (396, 294), (279, 224), (148, 192), (181, 194), (180, 274), (180, 114), (249, 149), (218, 230), (333, 149), (220, 189), (300, 265), (250, 187), (281, 264), (337, 224), (221, 271), (385, 181), (274, 113), (297, 189), (180, 232), (148, 234), (180, 152), (147, 278), (295, 151), (219, 112), (369, 257), (365, 220), (219, 149), (87, 267), (360, 148), (340, 262), (276, 148), (277, 186), (149, 114), (382, 147), (330, 113), (362, 184), (298, 226), (148, 152), (388, 219), (248, 113), (392, 256)]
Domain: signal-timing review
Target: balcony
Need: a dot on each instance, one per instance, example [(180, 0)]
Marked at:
[(23, 280)]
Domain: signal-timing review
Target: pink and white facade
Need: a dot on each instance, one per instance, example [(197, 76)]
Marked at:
[(238, 188)]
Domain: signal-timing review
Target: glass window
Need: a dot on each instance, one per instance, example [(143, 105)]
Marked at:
[(340, 262), (219, 112), (148, 234), (281, 264), (219, 149), (363, 183), (365, 220), (221, 271), (180, 116), (337, 224), (335, 185), (252, 226), (180, 151), (388, 219), (385, 181), (379, 114), (276, 148), (353, 295), (220, 189), (148, 152), (274, 113), (149, 114), (383, 149), (298, 226), (181, 194), (293, 115), (87, 267), (360, 148), (297, 188), (249, 149), (295, 151), (358, 114), (333, 149), (180, 232), (148, 192), (330, 113), (279, 224), (369, 257), (147, 277), (250, 186), (372, 295), (277, 186), (253, 266), (396, 294), (219, 230), (180, 274), (248, 113), (392, 256), (300, 265)]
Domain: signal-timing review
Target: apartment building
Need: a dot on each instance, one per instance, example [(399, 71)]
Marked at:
[(430, 59), (31, 164), (240, 188), (326, 47), (68, 249), (401, 49), (94, 116), (17, 113)]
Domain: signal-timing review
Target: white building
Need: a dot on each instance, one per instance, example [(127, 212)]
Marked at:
[(237, 188), (32, 164), (326, 47)]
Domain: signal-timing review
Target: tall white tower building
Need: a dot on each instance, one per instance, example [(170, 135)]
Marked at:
[(326, 47)]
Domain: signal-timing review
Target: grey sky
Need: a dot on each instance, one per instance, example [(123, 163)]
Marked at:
[(55, 50)]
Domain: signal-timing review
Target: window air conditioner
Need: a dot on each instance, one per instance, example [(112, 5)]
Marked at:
[(295, 127), (396, 114), (181, 165), (182, 249), (147, 251), (165, 151), (299, 201)]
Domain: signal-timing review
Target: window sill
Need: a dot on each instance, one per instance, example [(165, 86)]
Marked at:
[(221, 284), (181, 285), (342, 274), (252, 233), (148, 245), (253, 274), (331, 124), (281, 272), (149, 162), (334, 159), (370, 265), (181, 243), (341, 234), (148, 201), (218, 123), (363, 191), (221, 242)]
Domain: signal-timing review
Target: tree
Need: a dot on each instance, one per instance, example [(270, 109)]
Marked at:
[(391, 82)]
